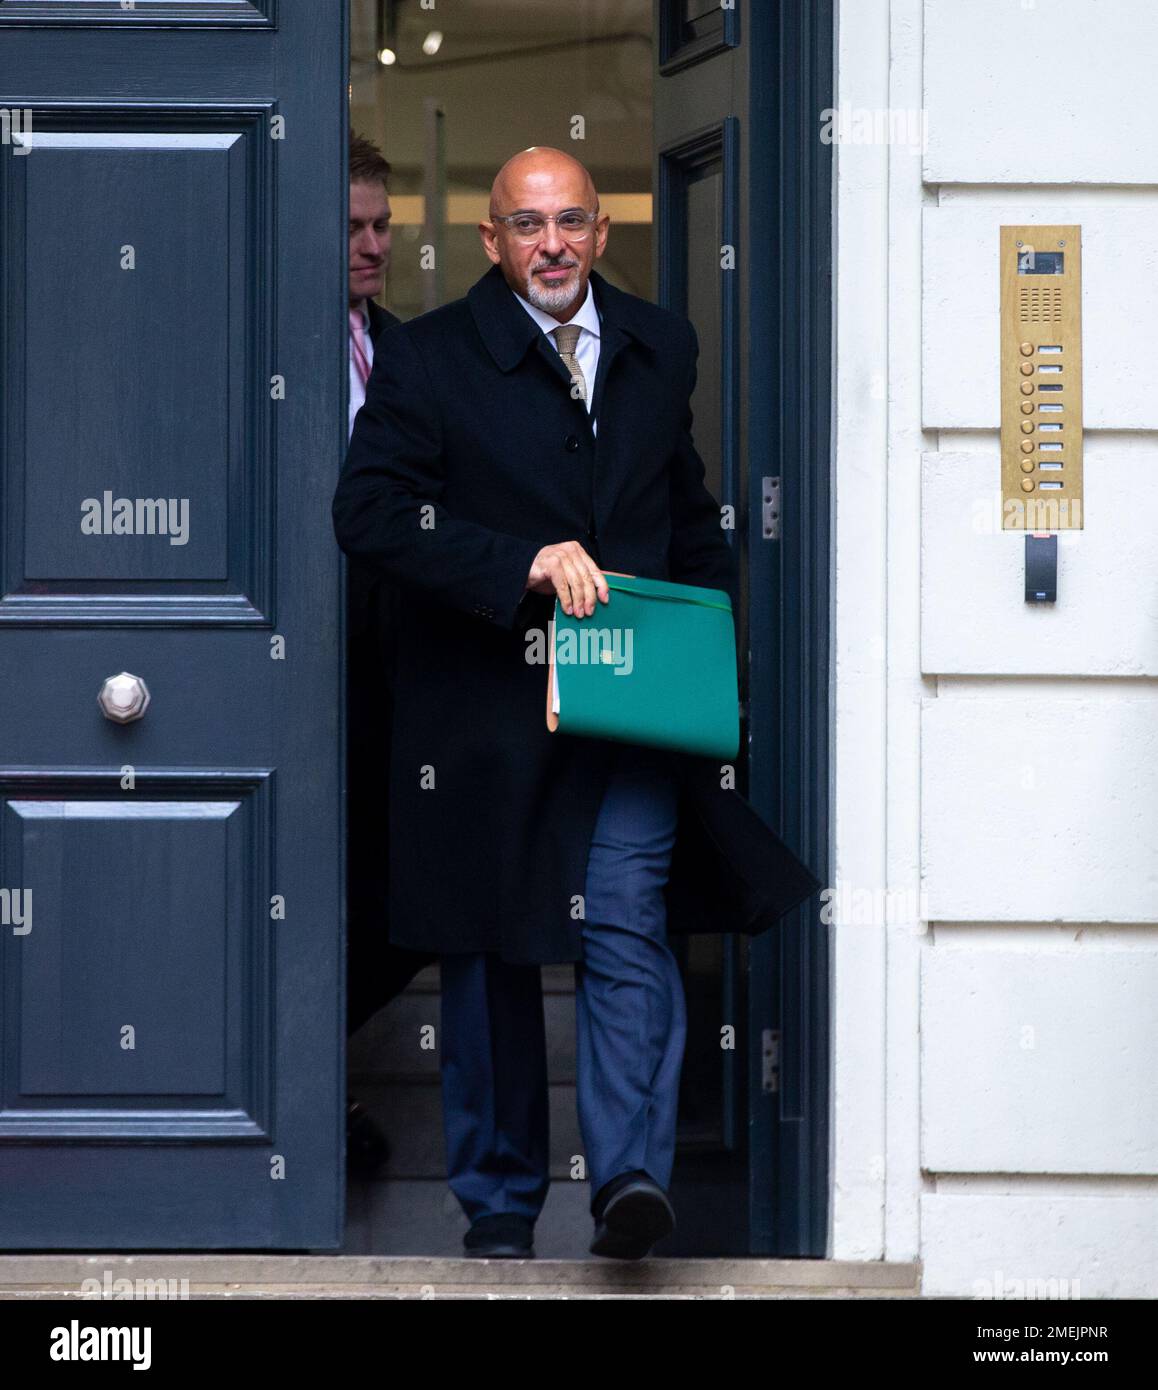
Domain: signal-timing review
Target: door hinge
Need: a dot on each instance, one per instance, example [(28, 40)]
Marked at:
[(771, 509), (770, 1070)]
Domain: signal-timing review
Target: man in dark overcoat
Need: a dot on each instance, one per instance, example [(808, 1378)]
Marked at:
[(376, 970), (512, 444)]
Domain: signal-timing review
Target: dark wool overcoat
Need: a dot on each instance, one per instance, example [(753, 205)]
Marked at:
[(469, 456)]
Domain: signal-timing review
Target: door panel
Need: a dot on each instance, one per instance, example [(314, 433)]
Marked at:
[(209, 1040), (172, 344), (698, 211), (743, 224), (249, 14), (186, 206)]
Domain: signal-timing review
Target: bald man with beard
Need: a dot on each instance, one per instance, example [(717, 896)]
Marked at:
[(514, 443)]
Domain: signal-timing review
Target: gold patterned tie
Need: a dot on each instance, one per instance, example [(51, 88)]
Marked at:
[(567, 336)]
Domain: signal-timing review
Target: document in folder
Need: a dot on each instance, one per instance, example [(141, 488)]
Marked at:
[(654, 666)]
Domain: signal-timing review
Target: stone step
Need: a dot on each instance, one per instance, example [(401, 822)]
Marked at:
[(344, 1276)]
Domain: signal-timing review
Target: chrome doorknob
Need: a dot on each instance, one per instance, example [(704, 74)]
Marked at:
[(123, 698)]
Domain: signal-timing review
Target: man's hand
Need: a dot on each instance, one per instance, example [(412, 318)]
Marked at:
[(567, 570)]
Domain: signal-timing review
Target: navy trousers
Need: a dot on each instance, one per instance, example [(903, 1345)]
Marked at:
[(631, 1022)]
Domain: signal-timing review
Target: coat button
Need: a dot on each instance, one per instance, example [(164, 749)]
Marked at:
[(571, 443)]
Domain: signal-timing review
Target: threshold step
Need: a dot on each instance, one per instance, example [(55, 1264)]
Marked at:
[(354, 1276)]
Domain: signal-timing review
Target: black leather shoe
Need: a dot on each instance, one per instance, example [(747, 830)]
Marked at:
[(503, 1236), (367, 1147), (631, 1213)]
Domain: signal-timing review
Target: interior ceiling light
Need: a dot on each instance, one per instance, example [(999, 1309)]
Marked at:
[(432, 43)]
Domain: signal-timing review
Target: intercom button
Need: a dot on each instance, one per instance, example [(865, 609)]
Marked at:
[(1027, 349)]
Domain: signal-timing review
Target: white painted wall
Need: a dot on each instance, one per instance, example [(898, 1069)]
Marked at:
[(996, 762)]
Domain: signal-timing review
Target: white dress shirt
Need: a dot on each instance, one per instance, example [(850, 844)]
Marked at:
[(357, 390), (586, 349)]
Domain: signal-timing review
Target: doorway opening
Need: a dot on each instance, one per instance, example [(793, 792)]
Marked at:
[(673, 110)]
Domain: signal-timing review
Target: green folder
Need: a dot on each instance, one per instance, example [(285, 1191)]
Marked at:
[(655, 665)]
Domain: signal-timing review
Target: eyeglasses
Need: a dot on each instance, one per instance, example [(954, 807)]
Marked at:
[(574, 224)]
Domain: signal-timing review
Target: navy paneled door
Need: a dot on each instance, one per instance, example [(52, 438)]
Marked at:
[(172, 349), (743, 232)]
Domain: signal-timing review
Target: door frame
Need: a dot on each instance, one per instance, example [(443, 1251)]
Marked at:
[(789, 307)]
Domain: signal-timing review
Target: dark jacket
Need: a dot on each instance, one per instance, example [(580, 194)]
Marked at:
[(468, 457)]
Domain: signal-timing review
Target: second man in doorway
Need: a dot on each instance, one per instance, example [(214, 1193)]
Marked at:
[(376, 971)]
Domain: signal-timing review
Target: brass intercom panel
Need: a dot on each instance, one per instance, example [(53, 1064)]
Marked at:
[(1041, 378)]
